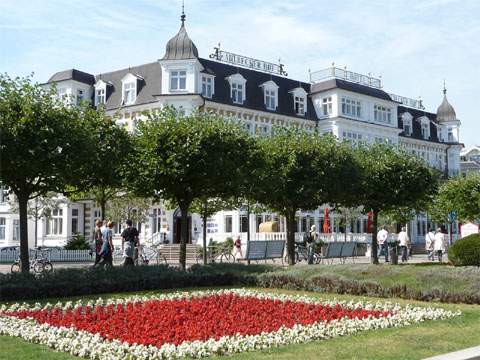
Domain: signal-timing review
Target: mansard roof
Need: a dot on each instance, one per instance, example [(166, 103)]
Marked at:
[(255, 98), (350, 86), (73, 74), (150, 82), (416, 125)]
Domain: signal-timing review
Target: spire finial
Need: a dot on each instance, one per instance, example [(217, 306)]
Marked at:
[(444, 88), (182, 18)]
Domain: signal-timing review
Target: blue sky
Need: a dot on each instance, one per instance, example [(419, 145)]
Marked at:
[(413, 45)]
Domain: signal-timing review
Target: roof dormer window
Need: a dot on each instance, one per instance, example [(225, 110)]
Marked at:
[(270, 94), (129, 93), (178, 80), (99, 96), (299, 101), (425, 127), (407, 123), (237, 88)]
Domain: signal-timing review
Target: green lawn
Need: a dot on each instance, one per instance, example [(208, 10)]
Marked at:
[(413, 342)]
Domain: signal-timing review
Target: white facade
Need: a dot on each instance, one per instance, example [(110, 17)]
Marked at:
[(352, 110)]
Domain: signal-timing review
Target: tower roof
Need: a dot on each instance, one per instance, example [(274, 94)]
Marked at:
[(181, 47), (445, 111)]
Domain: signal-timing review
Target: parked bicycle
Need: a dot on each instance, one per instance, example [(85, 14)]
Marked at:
[(218, 253), (147, 255), (301, 254), (39, 264)]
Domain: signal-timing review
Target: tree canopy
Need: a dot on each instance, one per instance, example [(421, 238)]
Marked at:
[(44, 145), (392, 180), (183, 158), (303, 171), (460, 195)]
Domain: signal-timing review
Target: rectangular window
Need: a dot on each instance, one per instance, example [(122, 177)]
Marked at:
[(3, 194), (237, 93), (450, 135), (270, 96), (228, 223), (74, 221), (55, 222), (406, 128), (100, 97), (207, 86), (157, 220), (351, 107), (243, 223), (16, 230), (382, 114), (259, 220), (327, 106), (3, 226), (299, 105), (178, 80), (80, 96), (129, 93), (425, 132)]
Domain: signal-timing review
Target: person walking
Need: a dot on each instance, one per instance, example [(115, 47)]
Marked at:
[(97, 241), (238, 249), (382, 237), (130, 240), (311, 240), (404, 242), (429, 241), (439, 244), (107, 247)]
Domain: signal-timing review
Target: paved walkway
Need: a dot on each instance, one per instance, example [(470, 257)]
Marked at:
[(466, 354)]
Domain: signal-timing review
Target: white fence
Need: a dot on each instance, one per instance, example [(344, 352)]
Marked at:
[(10, 255)]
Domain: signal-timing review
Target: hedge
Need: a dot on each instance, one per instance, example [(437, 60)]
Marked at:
[(466, 251), (89, 281)]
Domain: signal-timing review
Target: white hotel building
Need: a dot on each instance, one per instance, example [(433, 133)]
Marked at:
[(351, 106)]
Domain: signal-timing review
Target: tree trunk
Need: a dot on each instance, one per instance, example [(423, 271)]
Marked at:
[(248, 228), (103, 205), (204, 219), (36, 221), (24, 256), (290, 217), (374, 254), (183, 236)]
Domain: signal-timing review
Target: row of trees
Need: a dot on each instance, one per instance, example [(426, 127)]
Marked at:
[(197, 162)]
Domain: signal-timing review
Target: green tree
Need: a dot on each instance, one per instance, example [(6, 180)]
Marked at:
[(125, 205), (460, 194), (44, 146), (112, 146), (391, 180), (183, 158), (303, 171)]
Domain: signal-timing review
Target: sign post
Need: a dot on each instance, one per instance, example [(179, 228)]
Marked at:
[(452, 216)]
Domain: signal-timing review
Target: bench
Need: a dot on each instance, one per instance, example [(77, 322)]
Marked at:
[(265, 250), (171, 253), (340, 250)]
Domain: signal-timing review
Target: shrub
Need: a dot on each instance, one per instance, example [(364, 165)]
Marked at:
[(89, 281), (77, 242), (466, 251)]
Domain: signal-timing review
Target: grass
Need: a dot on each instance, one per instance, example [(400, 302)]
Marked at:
[(412, 342)]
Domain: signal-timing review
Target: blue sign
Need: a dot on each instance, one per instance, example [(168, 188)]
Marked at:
[(452, 216)]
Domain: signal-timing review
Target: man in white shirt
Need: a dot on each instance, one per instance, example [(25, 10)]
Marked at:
[(382, 236), (404, 242), (429, 241), (439, 244)]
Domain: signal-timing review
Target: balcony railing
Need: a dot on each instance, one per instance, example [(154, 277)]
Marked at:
[(343, 74), (408, 102)]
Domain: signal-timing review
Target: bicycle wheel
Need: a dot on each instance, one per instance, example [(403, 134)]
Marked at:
[(228, 258), (38, 267), (47, 266), (15, 268)]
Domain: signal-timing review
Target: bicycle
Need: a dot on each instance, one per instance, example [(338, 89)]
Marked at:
[(37, 265), (301, 253), (220, 253), (148, 254)]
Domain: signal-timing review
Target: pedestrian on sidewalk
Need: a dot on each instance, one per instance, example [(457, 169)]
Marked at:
[(404, 242), (106, 253), (439, 244), (311, 240), (429, 241), (97, 241), (238, 249), (130, 241), (382, 237)]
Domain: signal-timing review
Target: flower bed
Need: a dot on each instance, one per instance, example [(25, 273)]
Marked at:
[(198, 324)]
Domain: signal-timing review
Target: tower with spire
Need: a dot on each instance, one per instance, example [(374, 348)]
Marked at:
[(447, 119)]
